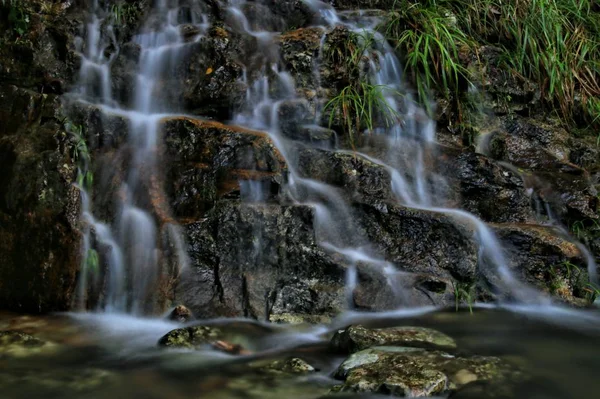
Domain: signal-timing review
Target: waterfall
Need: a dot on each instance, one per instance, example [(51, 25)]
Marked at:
[(130, 245)]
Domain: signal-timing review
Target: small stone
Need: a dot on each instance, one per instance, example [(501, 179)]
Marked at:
[(181, 314)]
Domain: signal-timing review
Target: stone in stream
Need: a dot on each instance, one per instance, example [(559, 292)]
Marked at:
[(196, 337), (415, 372), (20, 344), (181, 314), (291, 365), (357, 338)]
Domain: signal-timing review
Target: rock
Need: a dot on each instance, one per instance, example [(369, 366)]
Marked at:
[(19, 344), (414, 372), (545, 260), (191, 337), (292, 365), (503, 91), (259, 261), (421, 241), (300, 50), (209, 159), (317, 136), (59, 382), (532, 144), (39, 206), (181, 314), (357, 338), (232, 337), (491, 191), (360, 179)]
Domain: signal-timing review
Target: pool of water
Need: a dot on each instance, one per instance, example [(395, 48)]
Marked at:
[(116, 356)]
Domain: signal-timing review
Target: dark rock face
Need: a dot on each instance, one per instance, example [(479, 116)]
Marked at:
[(39, 245), (544, 151), (543, 259), (208, 161), (491, 191), (259, 261)]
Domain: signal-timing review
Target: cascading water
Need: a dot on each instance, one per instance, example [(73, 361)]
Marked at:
[(410, 144), (131, 247)]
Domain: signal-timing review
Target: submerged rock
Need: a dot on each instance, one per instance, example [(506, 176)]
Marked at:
[(292, 365), (358, 338), (192, 337), (414, 372), (19, 344)]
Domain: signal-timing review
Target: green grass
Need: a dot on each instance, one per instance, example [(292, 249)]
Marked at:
[(431, 44), (464, 293), (361, 106), (18, 17), (81, 154), (123, 13), (555, 43)]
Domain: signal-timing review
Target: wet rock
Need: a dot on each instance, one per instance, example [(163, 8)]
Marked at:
[(502, 91), (42, 56), (543, 149), (274, 15), (60, 382), (363, 4), (181, 314), (357, 338), (532, 144), (19, 344), (259, 261), (491, 191), (335, 70), (103, 130), (421, 241), (300, 51), (233, 337), (39, 206), (414, 372), (192, 337), (209, 159), (359, 178), (541, 257), (292, 115), (292, 365)]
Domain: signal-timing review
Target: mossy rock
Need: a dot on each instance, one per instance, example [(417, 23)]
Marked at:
[(415, 372), (357, 338), (20, 344), (191, 337)]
